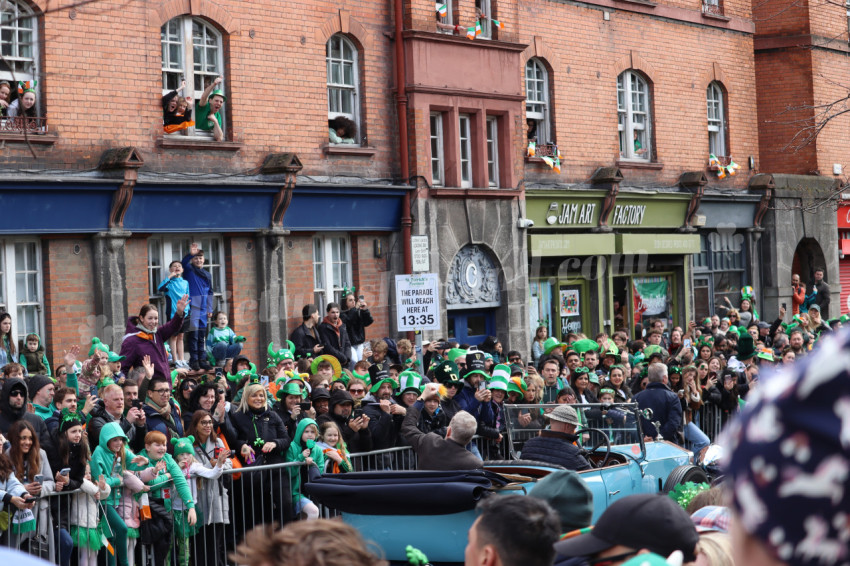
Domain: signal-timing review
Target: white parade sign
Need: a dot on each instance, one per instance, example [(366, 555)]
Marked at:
[(417, 302), (419, 253)]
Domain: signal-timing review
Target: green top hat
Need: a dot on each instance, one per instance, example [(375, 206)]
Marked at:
[(410, 381), (499, 382), (746, 348), (586, 345), (517, 385), (446, 373)]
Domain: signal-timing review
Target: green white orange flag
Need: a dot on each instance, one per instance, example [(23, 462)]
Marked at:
[(442, 9), (498, 24), (470, 33)]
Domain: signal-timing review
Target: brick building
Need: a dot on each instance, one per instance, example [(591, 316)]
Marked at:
[(801, 61)]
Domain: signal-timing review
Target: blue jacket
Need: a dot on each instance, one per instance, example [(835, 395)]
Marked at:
[(467, 401), (200, 291), (666, 409), (174, 289), (555, 448), (155, 422)]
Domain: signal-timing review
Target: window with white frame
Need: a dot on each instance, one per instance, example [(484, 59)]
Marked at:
[(492, 151), (437, 163), (331, 269), (633, 119), (482, 8), (716, 120), (191, 51), (343, 80), (21, 292), (448, 18), (19, 46), (537, 101), (465, 151), (162, 250)]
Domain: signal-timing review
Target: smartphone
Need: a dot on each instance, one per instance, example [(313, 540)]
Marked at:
[(305, 406), (250, 459), (361, 297), (686, 343), (219, 372), (93, 390), (482, 385), (137, 404), (784, 306), (65, 471), (39, 479), (357, 413)]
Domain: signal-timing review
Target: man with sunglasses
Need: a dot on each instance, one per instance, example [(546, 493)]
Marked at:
[(13, 407), (631, 525)]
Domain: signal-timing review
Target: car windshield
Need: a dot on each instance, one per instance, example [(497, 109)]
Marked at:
[(618, 421)]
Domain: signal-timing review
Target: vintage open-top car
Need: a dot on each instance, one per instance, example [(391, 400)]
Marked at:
[(433, 511)]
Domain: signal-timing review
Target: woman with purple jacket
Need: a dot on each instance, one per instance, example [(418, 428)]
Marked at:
[(144, 339)]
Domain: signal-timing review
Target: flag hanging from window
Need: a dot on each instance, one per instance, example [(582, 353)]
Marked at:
[(443, 10), (712, 160), (548, 161), (477, 28), (470, 33), (557, 166), (532, 149), (732, 168), (498, 24)]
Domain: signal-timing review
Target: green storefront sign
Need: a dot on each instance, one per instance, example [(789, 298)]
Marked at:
[(652, 210)]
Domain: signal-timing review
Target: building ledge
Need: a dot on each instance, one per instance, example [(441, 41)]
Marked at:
[(647, 165), (347, 149), (648, 3), (35, 139), (168, 142), (463, 41), (440, 192)]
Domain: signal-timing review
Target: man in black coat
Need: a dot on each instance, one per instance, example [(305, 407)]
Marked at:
[(308, 342), (385, 415), (434, 451), (822, 297), (665, 405), (556, 445), (111, 409), (334, 336), (355, 431), (356, 317), (13, 407)]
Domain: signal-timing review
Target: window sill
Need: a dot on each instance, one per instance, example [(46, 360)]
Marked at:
[(492, 193), (718, 17), (648, 3), (648, 165), (35, 139), (185, 142), (349, 149)]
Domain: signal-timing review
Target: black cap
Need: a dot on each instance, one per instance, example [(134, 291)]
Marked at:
[(339, 397), (320, 393), (377, 373), (654, 522)]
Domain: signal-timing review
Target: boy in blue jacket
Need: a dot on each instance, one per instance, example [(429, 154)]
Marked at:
[(174, 287), (201, 293)]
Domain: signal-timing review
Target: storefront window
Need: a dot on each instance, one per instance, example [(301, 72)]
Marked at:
[(652, 299), (721, 267), (560, 306), (569, 306)]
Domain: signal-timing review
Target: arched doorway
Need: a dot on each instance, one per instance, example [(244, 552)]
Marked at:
[(807, 257), (473, 294)]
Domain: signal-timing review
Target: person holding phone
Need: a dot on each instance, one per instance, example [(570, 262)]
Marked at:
[(353, 424), (32, 469), (356, 317)]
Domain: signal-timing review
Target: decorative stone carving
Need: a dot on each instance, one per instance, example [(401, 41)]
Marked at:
[(473, 280)]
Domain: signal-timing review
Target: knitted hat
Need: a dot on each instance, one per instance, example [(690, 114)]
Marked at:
[(410, 382), (36, 383), (564, 414), (569, 496), (96, 344), (183, 446)]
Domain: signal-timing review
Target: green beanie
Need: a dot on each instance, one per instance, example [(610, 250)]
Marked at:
[(183, 446)]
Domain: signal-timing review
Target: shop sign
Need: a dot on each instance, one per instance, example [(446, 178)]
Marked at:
[(628, 215), (844, 217), (571, 214), (419, 254)]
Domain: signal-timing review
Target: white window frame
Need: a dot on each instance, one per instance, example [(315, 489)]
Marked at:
[(21, 21), (465, 149), (633, 115), (353, 88), (164, 249), (536, 75), (492, 151), (486, 20), (716, 120), (438, 170), (449, 19), (329, 288), (185, 66), (9, 293)]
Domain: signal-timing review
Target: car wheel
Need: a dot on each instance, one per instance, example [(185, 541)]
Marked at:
[(684, 474)]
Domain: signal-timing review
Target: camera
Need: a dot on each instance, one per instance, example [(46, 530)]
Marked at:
[(305, 406), (443, 346), (523, 223)]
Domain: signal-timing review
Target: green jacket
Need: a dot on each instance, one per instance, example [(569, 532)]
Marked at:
[(295, 453), (161, 481), (44, 412), (103, 461)]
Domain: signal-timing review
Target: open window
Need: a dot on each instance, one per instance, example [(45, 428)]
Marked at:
[(438, 169), (633, 116), (343, 91), (192, 51), (715, 102), (19, 43), (537, 108)]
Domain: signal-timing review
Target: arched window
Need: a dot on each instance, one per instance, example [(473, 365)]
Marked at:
[(716, 119), (191, 51), (537, 102), (633, 116), (19, 45), (343, 80)]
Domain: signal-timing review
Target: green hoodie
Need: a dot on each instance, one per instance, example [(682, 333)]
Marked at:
[(103, 461), (295, 453), (161, 481)]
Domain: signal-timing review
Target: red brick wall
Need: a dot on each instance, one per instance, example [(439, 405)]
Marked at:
[(241, 273), (299, 277), (136, 262), (373, 281), (69, 313)]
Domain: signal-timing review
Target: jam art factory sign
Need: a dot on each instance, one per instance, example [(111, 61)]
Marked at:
[(567, 214)]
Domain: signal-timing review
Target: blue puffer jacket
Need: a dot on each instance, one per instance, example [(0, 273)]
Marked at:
[(666, 409), (555, 448)]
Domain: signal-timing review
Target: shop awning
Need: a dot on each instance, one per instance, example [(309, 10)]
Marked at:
[(658, 243), (563, 245)]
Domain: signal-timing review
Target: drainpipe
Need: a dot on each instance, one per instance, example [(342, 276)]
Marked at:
[(401, 110)]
